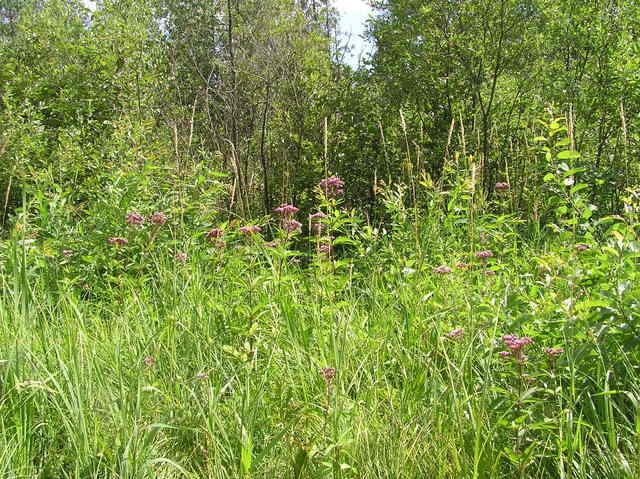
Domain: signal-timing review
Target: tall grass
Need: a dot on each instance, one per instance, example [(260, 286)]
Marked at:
[(213, 368)]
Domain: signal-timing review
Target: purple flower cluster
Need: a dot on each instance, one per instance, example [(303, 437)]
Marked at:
[(118, 241), (291, 226), (455, 334), (158, 218), (516, 347), (332, 186), (582, 247), (328, 374), (134, 219), (553, 352), (317, 226), (484, 255), (215, 233), (443, 270), (286, 210), (501, 186), (249, 230)]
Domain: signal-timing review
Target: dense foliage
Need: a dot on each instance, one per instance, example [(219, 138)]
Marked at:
[(225, 253)]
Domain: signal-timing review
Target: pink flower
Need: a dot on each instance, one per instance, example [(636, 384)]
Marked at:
[(134, 219), (215, 233), (182, 257), (317, 226), (286, 210), (582, 247), (502, 186), (462, 265), (118, 241), (328, 374), (442, 270), (484, 255), (249, 230), (149, 361), (291, 226), (158, 218), (504, 354), (553, 352), (332, 186), (516, 346), (489, 272), (456, 333), (324, 249), (67, 252)]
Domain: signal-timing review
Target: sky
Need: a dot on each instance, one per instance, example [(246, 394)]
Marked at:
[(353, 14)]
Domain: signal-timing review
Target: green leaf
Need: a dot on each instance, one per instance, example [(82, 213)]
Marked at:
[(567, 154)]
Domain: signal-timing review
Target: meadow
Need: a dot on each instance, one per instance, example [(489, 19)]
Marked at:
[(454, 346)]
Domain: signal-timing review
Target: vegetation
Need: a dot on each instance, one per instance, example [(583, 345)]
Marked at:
[(225, 253)]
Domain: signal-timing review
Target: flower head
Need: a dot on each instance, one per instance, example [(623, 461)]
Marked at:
[(328, 374), (332, 186), (462, 265), (291, 226), (67, 252), (324, 249), (317, 226), (249, 230), (149, 361), (158, 218), (455, 334), (134, 219), (286, 210), (489, 272), (516, 346), (484, 254), (181, 257), (442, 270), (215, 233), (552, 353), (501, 186), (118, 241), (582, 247)]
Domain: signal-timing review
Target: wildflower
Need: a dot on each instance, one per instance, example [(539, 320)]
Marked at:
[(286, 210), (489, 272), (501, 186), (149, 361), (316, 222), (516, 346), (215, 233), (291, 226), (118, 241), (249, 230), (271, 244), (456, 333), (462, 265), (158, 218), (484, 255), (442, 270), (182, 257), (552, 353), (328, 374), (134, 219), (67, 252), (325, 248), (504, 354), (332, 186), (582, 247)]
